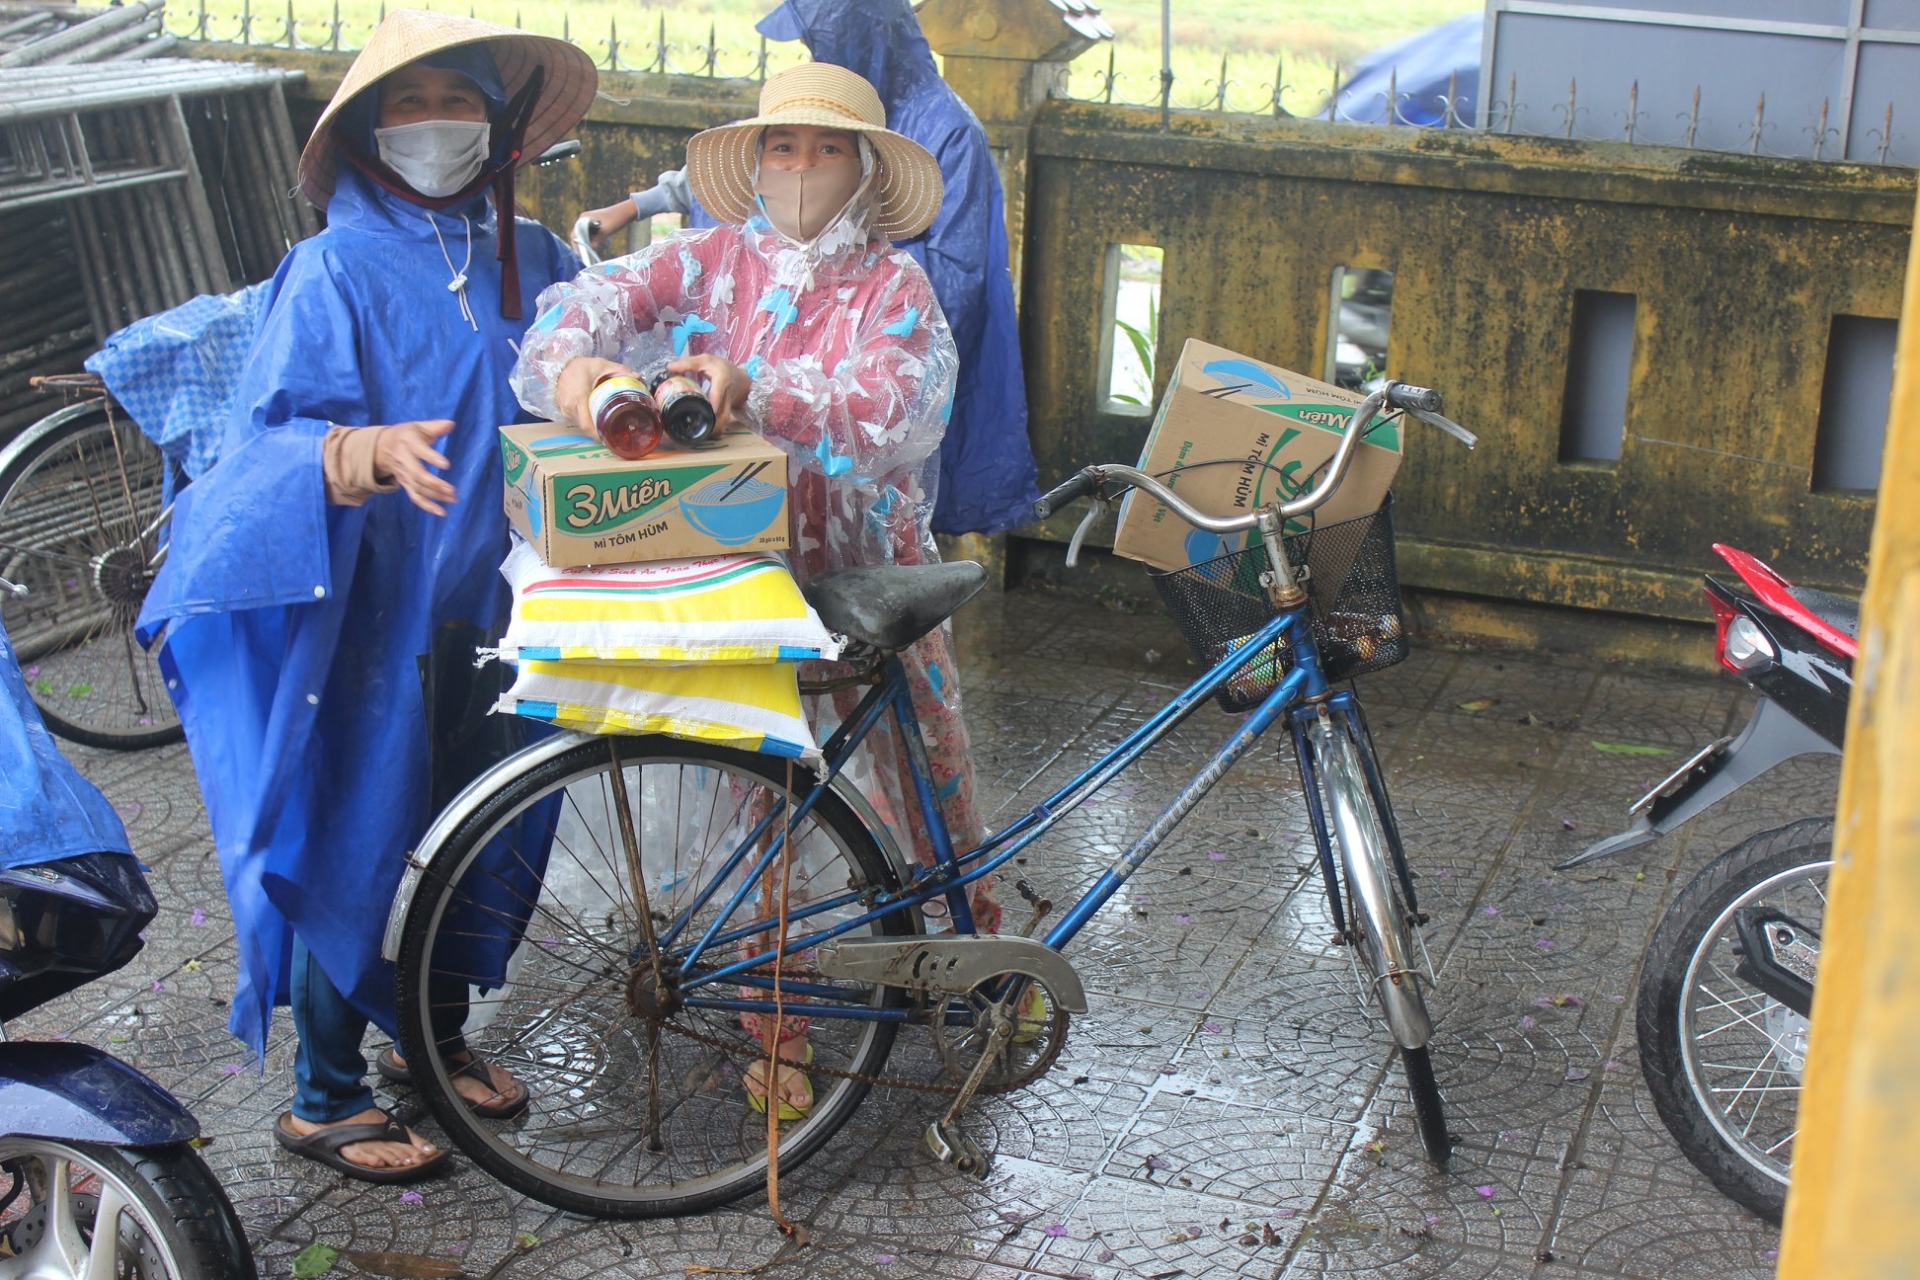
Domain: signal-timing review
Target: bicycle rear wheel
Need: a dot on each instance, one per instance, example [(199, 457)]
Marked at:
[(1380, 921), (80, 504), (526, 930)]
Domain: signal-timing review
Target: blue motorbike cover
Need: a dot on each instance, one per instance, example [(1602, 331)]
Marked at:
[(988, 478), (76, 1093), (47, 810), (292, 631)]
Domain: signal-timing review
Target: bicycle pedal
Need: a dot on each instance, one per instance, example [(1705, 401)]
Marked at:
[(951, 1145)]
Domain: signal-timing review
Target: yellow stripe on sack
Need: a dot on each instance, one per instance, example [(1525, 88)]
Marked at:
[(597, 719), (772, 688), (736, 654), (738, 605)]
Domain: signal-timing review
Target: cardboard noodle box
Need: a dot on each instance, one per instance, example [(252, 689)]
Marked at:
[(1276, 427), (576, 503)]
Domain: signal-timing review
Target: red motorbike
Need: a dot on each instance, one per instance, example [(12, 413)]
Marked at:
[(1727, 983)]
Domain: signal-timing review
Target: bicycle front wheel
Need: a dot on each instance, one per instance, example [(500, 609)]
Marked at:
[(1380, 922), (80, 506), (524, 946)]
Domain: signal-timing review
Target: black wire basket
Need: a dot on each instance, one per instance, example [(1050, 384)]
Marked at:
[(1353, 590)]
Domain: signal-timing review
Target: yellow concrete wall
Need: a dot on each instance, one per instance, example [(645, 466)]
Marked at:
[(1738, 265), (1853, 1210)]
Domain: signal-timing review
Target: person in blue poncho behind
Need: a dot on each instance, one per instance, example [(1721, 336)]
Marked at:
[(988, 478), (331, 573)]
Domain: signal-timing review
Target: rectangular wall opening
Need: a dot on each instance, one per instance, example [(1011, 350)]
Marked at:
[(1593, 420), (1357, 322), (1853, 405), (1129, 329)]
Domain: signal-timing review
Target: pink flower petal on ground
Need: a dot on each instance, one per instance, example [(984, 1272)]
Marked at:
[(1527, 1023), (146, 721), (883, 1259), (1485, 1193), (1217, 856), (1286, 1213), (1492, 911), (198, 919), (1057, 1229), (1184, 919), (1212, 1028), (411, 1197), (1543, 1002), (1194, 1233), (1106, 1255), (231, 1068), (1611, 1065), (1443, 873), (159, 986), (1432, 1219), (1545, 944), (1577, 1074), (33, 671)]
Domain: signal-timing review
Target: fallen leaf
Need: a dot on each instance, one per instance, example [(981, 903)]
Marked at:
[(525, 1239), (315, 1260), (403, 1266), (1629, 749), (191, 966), (1478, 704)]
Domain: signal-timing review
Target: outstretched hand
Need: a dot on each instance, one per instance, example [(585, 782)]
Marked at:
[(405, 453), (727, 385)]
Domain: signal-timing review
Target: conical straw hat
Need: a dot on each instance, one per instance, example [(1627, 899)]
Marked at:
[(407, 35), (721, 162)]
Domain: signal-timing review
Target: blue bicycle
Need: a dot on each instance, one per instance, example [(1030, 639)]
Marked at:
[(597, 914)]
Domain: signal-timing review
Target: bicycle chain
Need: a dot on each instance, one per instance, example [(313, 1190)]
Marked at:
[(732, 1047)]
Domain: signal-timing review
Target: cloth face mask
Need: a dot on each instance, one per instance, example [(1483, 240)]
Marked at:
[(436, 157), (803, 203)]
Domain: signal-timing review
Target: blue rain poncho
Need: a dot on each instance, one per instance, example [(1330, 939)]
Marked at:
[(298, 636), (47, 810), (988, 479)]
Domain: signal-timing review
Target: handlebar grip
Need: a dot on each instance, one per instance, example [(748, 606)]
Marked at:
[(1401, 395), (1078, 485)]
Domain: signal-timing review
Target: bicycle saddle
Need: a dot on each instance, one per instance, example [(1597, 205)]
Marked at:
[(889, 607)]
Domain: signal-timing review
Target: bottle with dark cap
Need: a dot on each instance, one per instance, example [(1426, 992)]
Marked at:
[(684, 409)]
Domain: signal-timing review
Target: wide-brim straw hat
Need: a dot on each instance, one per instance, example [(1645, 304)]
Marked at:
[(408, 35), (722, 162)]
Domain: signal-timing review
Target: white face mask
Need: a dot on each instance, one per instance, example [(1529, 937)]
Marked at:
[(436, 157)]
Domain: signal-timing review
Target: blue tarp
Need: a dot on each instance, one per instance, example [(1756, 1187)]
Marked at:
[(1420, 68), (47, 810)]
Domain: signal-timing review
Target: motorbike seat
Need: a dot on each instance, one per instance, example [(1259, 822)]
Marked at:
[(1837, 611), (889, 607)]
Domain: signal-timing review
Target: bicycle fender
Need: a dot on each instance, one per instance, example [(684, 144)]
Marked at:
[(1772, 737), (952, 965), (77, 1093), (477, 792), (28, 440)]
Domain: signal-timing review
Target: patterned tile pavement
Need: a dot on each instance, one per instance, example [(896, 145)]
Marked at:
[(1225, 1108)]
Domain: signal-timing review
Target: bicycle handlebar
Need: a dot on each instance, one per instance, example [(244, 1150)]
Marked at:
[(1107, 482)]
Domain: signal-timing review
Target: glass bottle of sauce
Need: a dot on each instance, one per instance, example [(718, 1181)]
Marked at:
[(685, 409), (625, 415)]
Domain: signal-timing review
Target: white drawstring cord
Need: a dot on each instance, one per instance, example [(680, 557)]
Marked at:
[(458, 285)]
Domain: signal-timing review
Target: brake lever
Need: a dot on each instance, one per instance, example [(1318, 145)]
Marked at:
[(1447, 425), (1096, 508)]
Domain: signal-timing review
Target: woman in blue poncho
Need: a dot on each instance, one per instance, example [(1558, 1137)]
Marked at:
[(329, 576)]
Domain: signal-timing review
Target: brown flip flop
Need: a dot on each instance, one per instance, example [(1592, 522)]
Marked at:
[(502, 1106), (322, 1146)]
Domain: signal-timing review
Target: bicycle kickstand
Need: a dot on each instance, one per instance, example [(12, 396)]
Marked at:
[(945, 1138)]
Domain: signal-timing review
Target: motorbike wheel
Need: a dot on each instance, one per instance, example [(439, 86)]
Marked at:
[(174, 1221), (1723, 1058)]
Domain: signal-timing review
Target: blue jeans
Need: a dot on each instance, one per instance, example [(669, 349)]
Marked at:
[(329, 1071)]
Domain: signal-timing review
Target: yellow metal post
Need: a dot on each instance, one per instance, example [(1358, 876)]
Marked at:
[(1854, 1206)]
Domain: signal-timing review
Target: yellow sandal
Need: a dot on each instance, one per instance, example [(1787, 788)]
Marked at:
[(758, 1100)]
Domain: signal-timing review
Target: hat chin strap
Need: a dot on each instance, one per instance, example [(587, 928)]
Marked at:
[(498, 174)]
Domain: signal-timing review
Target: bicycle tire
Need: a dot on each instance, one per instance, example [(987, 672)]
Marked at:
[(76, 491), (573, 1061), (1685, 1086), (177, 1208), (1379, 923)]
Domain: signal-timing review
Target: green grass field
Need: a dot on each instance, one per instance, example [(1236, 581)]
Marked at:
[(1304, 39)]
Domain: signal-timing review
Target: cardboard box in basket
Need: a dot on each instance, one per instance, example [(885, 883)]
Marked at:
[(576, 503), (1220, 405)]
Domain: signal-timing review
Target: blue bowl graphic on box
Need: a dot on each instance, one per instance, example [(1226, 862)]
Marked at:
[(733, 511)]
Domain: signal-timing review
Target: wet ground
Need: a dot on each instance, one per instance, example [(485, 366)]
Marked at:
[(1226, 1107)]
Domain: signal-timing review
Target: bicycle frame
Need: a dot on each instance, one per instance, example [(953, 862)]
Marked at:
[(1301, 691)]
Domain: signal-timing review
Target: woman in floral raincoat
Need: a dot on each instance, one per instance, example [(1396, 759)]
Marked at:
[(814, 331)]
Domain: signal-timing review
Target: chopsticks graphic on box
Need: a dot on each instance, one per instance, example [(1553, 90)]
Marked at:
[(744, 476)]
